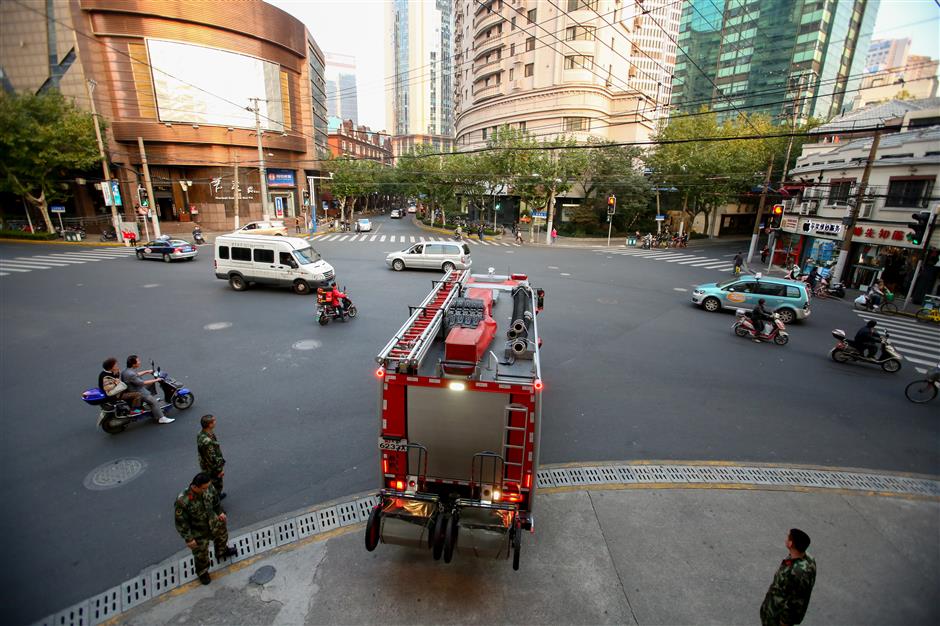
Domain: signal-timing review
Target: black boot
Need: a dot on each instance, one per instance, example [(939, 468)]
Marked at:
[(229, 551), (205, 579)]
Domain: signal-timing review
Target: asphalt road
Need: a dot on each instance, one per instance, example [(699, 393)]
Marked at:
[(632, 371)]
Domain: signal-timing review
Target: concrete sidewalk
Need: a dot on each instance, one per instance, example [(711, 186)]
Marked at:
[(615, 553)]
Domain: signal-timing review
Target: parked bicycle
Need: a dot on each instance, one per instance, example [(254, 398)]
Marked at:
[(931, 312)]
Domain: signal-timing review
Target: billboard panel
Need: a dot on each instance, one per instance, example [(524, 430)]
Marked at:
[(199, 85)]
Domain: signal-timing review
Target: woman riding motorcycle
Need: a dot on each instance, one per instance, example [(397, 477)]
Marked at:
[(762, 317)]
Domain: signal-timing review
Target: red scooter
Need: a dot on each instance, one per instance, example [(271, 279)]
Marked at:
[(744, 327)]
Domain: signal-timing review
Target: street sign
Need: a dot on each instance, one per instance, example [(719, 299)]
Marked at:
[(115, 193), (106, 193), (539, 215), (57, 208), (660, 218)]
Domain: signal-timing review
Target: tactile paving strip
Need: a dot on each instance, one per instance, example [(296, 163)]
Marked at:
[(156, 581)]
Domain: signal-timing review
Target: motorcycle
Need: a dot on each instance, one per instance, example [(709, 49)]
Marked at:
[(115, 415), (326, 311), (108, 234), (744, 327), (198, 239), (833, 290), (846, 352)]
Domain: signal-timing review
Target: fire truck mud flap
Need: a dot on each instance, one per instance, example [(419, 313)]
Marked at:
[(406, 520), (487, 531)]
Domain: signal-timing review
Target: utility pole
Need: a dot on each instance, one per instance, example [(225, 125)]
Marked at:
[(153, 200), (262, 171), (237, 186), (115, 220), (848, 223), (796, 100), (760, 210)]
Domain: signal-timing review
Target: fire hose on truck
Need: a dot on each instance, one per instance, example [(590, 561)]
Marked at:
[(460, 418)]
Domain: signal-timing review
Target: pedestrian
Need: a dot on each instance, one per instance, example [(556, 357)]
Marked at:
[(199, 520), (554, 235), (211, 460), (480, 232), (763, 254), (788, 597), (738, 262), (298, 225)]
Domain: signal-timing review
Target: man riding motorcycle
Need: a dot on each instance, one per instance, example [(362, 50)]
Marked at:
[(868, 340), (762, 318), (338, 299)]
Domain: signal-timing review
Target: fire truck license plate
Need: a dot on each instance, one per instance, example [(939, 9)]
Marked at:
[(392, 445)]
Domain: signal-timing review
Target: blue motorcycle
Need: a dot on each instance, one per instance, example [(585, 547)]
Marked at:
[(115, 415)]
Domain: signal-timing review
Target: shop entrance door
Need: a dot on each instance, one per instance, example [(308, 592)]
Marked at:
[(282, 203)]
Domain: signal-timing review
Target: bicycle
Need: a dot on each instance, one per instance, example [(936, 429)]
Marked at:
[(929, 314), (922, 391)]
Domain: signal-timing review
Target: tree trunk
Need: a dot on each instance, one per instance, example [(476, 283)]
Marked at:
[(41, 204), (342, 209), (550, 214)]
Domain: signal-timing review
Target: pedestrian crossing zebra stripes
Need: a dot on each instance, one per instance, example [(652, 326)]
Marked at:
[(17, 265), (672, 256), (369, 238), (918, 342)]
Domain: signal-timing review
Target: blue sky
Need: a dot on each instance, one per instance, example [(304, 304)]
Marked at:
[(917, 19)]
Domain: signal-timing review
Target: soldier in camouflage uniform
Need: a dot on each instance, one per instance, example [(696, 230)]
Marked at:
[(199, 520), (788, 597), (211, 460)]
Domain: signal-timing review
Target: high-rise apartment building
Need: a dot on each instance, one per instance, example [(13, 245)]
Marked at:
[(419, 67), (341, 95), (887, 53), (772, 56), (582, 68)]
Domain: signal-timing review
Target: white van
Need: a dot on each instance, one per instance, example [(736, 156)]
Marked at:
[(286, 261)]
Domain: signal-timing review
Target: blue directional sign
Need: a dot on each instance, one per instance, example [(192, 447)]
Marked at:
[(115, 193), (57, 208)]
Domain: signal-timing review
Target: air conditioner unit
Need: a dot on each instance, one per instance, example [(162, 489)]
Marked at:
[(865, 210), (808, 207)]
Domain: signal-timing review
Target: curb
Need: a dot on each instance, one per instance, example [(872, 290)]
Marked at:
[(55, 242), (326, 519)]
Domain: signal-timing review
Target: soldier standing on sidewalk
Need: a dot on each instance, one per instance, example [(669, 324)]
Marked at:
[(211, 460), (199, 520), (788, 597)]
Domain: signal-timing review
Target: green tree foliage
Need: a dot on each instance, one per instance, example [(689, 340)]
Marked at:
[(612, 169), (352, 179), (708, 174), (43, 140)]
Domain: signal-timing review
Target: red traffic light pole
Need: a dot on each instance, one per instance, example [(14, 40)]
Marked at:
[(611, 209)]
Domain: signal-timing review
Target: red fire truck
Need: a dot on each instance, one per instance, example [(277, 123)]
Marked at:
[(460, 405)]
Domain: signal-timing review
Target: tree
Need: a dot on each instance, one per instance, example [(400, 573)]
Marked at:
[(43, 140), (612, 169), (348, 182), (706, 173)]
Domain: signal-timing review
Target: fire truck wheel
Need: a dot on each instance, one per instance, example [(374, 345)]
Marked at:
[(437, 536), (372, 529), (450, 540), (516, 547)]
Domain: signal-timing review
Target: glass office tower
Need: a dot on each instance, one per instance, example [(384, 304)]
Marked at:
[(772, 56)]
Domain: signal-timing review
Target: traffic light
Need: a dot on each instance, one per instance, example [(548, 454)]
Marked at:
[(919, 226), (776, 216), (497, 206), (306, 197), (142, 197), (611, 204)]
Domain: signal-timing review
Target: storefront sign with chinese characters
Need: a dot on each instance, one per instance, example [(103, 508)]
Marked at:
[(225, 190), (832, 230), (884, 234), (280, 178)]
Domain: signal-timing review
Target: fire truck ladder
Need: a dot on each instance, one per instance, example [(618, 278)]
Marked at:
[(407, 349)]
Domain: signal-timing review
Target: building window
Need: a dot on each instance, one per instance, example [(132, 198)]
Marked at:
[(909, 191), (574, 5), (512, 49), (485, 131), (577, 124), (531, 16), (529, 69), (581, 33), (530, 44), (511, 72), (839, 190), (522, 126), (579, 61), (512, 24)]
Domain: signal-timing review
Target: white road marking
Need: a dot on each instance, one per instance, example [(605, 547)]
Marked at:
[(553, 267), (907, 349), (679, 289), (382, 239), (217, 325), (564, 274), (42, 261), (79, 255), (706, 263), (32, 266), (374, 236), (713, 264), (57, 259), (684, 257), (4, 274), (412, 239), (697, 259), (12, 269), (476, 243), (896, 321), (150, 285), (921, 361)]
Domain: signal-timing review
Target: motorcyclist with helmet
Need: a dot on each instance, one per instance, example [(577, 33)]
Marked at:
[(339, 300)]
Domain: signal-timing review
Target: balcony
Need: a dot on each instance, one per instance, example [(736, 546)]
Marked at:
[(482, 92)]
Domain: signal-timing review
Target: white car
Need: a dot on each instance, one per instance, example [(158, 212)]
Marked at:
[(396, 214), (363, 226), (440, 255), (263, 228), (412, 209)]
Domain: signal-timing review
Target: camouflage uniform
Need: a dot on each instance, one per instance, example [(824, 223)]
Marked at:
[(197, 517), (211, 460), (788, 597)]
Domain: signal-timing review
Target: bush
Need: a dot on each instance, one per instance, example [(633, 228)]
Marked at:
[(22, 234)]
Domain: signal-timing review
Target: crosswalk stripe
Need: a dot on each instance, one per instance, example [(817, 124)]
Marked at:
[(12, 269), (921, 361), (893, 321), (683, 257), (32, 266), (373, 237), (344, 238), (705, 263), (42, 261), (412, 239), (904, 331), (712, 264), (4, 273), (908, 348), (382, 239), (79, 255), (57, 259), (476, 243), (696, 259)]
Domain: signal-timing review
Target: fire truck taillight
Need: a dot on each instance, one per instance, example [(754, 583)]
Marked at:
[(528, 481), (496, 495), (538, 384), (457, 386), (385, 466), (397, 485), (380, 373), (519, 276)]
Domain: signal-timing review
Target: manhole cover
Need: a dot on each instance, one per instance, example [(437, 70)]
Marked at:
[(263, 575), (217, 325), (307, 344), (114, 474)]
